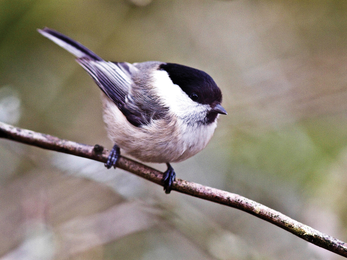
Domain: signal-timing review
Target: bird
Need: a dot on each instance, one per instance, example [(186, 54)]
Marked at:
[(158, 112)]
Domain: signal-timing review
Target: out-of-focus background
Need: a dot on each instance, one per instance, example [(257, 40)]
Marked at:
[(282, 68)]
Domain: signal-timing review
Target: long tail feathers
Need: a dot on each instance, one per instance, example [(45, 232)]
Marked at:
[(68, 44)]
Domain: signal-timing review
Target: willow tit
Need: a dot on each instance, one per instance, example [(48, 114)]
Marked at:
[(154, 111)]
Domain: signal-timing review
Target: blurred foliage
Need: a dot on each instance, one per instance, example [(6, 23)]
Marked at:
[(282, 68)]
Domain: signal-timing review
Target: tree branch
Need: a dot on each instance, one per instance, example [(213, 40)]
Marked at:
[(194, 189)]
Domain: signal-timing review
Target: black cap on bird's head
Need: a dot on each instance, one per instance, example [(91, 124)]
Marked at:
[(198, 85)]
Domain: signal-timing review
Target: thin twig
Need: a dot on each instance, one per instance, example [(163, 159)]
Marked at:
[(194, 189)]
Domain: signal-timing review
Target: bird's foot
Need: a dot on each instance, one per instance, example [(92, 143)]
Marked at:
[(168, 178), (113, 157)]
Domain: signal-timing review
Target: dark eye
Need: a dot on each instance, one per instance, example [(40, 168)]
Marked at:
[(194, 96)]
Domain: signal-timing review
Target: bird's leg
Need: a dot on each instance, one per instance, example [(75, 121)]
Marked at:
[(168, 178), (113, 157)]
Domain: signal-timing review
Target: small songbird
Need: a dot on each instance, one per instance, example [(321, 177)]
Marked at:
[(154, 111)]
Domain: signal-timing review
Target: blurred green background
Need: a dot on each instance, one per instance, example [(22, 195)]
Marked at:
[(282, 68)]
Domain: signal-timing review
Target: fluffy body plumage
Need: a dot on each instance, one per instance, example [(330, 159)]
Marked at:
[(154, 111)]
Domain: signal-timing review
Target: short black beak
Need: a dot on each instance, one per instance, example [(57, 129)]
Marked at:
[(219, 109)]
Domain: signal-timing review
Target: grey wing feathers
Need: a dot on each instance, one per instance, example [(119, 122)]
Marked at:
[(111, 79), (114, 79)]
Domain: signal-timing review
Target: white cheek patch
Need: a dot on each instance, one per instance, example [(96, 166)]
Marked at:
[(173, 97)]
